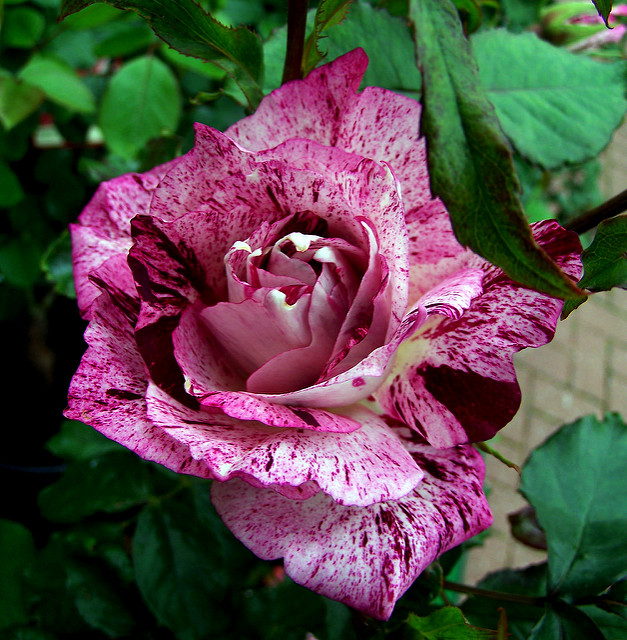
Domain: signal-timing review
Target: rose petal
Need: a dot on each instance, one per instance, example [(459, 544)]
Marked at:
[(454, 381), (107, 392), (254, 331), (373, 465), (249, 406), (304, 109), (365, 557), (103, 228)]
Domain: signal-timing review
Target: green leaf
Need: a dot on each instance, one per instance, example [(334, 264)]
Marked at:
[(387, 41), (130, 37), (613, 625), (59, 82), (98, 600), (142, 102), (17, 550), (328, 14), (76, 441), (53, 604), (22, 27), (57, 265), (10, 189), (112, 482), (183, 563), (562, 620), (192, 64), (19, 261), (521, 617), (470, 162), (17, 101), (555, 106), (605, 260), (603, 7), (186, 27), (521, 14), (575, 481), (447, 623)]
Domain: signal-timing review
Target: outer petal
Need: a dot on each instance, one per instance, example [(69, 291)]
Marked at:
[(107, 392), (103, 228), (361, 468), (454, 381), (306, 108), (365, 557)]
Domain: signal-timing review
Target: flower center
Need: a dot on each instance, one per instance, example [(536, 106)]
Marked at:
[(290, 302)]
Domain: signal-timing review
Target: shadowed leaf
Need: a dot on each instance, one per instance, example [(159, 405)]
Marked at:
[(186, 27), (470, 162)]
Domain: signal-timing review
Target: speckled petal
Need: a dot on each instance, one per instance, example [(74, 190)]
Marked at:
[(107, 392), (454, 381), (450, 299), (103, 229), (250, 406), (365, 557), (360, 468), (304, 109)]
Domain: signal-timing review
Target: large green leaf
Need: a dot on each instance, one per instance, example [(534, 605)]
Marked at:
[(470, 162), (22, 27), (142, 102), (387, 41), (186, 27), (17, 101), (605, 260), (77, 441), (385, 38), (182, 563), (562, 620), (98, 600), (112, 482), (17, 550), (556, 107), (10, 188), (59, 82), (576, 481), (447, 623)]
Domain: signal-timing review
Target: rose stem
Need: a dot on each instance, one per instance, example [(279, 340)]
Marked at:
[(592, 218), (296, 24)]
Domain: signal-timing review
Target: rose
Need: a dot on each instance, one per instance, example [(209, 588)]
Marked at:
[(285, 309)]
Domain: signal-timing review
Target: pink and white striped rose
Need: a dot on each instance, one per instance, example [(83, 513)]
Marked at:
[(285, 310)]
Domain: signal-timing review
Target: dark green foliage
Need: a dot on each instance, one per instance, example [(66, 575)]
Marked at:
[(475, 180)]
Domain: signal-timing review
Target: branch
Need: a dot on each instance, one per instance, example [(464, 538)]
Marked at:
[(495, 595), (592, 218), (296, 26)]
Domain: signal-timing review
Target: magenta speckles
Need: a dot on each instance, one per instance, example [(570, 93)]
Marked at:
[(253, 301)]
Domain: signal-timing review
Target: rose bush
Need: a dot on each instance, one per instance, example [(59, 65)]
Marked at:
[(286, 310)]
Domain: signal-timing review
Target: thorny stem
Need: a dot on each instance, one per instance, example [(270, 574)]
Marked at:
[(296, 25), (590, 219)]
